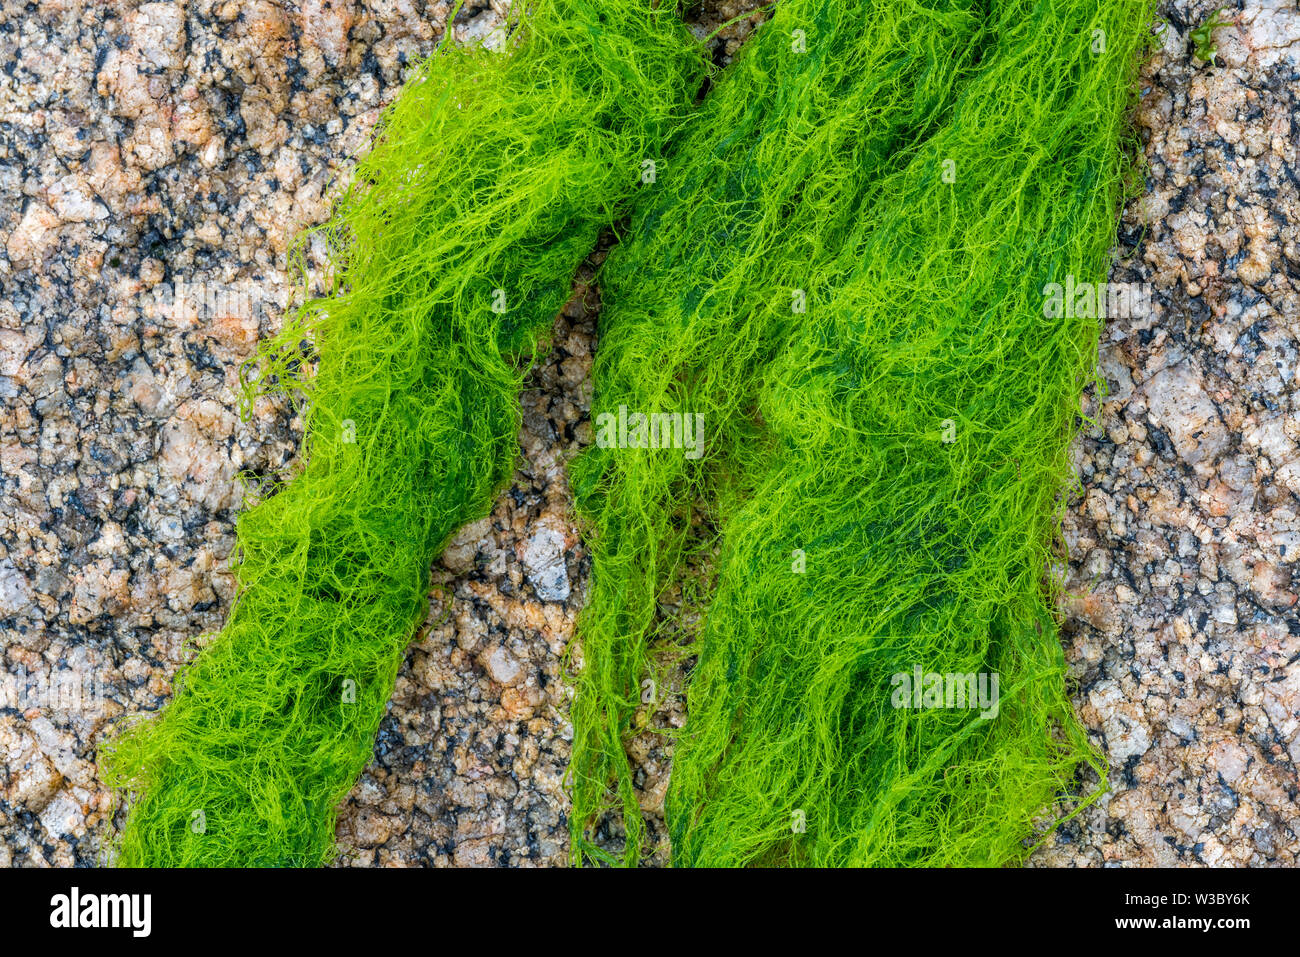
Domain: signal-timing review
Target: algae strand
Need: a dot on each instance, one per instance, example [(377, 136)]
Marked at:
[(845, 276), (492, 176)]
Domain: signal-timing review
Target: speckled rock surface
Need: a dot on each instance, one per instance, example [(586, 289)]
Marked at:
[(1183, 629), (156, 161), (469, 767)]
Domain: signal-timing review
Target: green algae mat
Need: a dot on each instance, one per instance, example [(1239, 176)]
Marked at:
[(850, 415)]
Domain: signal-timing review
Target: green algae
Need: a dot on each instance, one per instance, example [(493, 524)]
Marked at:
[(884, 468), (839, 263), (490, 181)]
